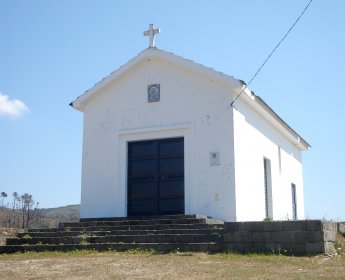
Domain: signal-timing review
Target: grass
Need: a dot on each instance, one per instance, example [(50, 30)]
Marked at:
[(84, 235), (150, 264), (140, 251), (139, 264), (27, 236), (339, 244)]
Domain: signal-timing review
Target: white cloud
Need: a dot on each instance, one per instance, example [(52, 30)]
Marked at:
[(12, 108)]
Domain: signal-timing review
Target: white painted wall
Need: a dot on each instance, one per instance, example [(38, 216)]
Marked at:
[(255, 139), (192, 105)]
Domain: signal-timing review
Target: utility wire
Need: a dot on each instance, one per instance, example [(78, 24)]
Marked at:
[(276, 47)]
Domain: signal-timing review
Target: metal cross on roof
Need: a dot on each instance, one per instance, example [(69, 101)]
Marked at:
[(152, 32)]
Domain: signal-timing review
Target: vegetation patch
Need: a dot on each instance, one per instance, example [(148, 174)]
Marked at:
[(22, 211), (143, 264), (84, 235), (141, 251), (27, 236), (339, 244)]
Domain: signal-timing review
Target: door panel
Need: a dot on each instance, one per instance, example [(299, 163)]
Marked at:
[(171, 206), (170, 148), (171, 189), (171, 167), (156, 177), (145, 149), (142, 207), (142, 168), (142, 190)]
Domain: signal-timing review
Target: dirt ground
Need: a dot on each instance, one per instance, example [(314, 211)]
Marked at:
[(141, 265)]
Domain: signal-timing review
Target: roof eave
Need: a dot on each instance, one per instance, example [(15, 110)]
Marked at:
[(259, 105), (298, 139)]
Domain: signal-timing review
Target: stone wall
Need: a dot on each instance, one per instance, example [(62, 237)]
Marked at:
[(285, 237), (341, 227)]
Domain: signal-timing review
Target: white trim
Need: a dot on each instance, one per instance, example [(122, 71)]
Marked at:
[(154, 129), (151, 133)]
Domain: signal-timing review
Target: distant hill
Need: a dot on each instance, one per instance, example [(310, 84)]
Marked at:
[(47, 217), (51, 217), (69, 213)]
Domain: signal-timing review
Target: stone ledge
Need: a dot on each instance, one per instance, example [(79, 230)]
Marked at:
[(298, 237)]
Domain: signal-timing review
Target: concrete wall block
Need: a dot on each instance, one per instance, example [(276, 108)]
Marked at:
[(232, 226), (240, 247), (268, 237), (272, 246), (282, 237), (315, 248), (329, 247), (330, 226), (295, 249), (286, 248), (229, 237), (299, 237), (329, 235), (237, 237), (273, 226), (259, 247), (259, 237), (294, 225), (286, 237), (335, 227), (341, 227), (314, 225), (265, 237), (253, 226), (230, 246), (313, 236), (243, 237)]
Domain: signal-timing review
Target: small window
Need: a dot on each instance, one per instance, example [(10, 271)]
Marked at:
[(294, 203), (280, 160), (268, 188)]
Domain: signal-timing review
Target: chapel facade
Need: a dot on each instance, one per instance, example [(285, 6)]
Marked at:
[(163, 136)]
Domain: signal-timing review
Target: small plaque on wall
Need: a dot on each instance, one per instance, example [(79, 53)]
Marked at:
[(214, 159), (153, 93)]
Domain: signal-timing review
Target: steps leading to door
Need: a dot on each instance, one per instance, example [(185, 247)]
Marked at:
[(160, 233)]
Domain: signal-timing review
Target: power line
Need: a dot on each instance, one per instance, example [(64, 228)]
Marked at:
[(276, 47)]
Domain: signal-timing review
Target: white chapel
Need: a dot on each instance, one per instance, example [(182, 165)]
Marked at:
[(162, 136)]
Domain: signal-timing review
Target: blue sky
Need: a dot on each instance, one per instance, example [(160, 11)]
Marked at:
[(51, 51)]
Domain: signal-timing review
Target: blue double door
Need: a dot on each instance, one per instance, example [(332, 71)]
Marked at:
[(155, 177)]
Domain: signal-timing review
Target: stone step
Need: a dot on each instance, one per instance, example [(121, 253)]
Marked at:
[(62, 233), (159, 217), (133, 222), (208, 230), (210, 247), (163, 234), (154, 238), (130, 227)]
